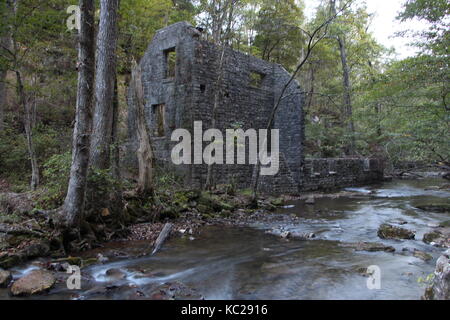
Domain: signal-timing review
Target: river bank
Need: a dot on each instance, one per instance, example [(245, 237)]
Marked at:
[(262, 253)]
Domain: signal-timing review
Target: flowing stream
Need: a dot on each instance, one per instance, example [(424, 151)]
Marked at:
[(248, 263)]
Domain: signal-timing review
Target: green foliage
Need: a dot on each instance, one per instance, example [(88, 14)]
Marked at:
[(165, 179), (430, 10), (428, 280), (278, 32), (400, 108), (14, 162), (55, 173), (140, 19), (14, 155)]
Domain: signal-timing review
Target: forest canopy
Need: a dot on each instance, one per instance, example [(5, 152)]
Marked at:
[(360, 100)]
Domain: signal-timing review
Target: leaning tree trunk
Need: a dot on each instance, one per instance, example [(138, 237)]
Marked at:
[(26, 104), (144, 152), (74, 203), (104, 85)]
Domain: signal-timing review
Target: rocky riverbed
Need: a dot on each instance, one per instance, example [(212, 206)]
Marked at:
[(318, 246)]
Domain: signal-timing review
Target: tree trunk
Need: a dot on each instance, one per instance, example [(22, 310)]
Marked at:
[(26, 104), (377, 106), (312, 79), (348, 111), (104, 85), (144, 152), (115, 154), (163, 235), (74, 203), (5, 42), (2, 98)]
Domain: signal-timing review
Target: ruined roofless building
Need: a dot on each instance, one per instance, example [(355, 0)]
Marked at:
[(179, 74)]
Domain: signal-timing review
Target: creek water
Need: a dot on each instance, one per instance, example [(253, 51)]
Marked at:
[(247, 263)]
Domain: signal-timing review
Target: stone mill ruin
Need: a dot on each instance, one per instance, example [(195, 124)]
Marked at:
[(179, 73)]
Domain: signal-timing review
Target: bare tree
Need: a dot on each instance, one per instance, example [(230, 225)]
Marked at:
[(104, 85), (226, 16), (74, 203), (115, 152), (144, 152), (5, 43), (2, 97), (348, 110), (314, 38), (27, 104)]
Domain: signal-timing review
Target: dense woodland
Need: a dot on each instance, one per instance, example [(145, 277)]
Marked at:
[(63, 108)]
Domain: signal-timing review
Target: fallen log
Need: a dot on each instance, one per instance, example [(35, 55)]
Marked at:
[(163, 235)]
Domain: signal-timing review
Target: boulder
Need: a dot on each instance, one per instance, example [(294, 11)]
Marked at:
[(5, 278), (285, 235), (37, 281), (368, 246), (387, 231), (443, 208), (440, 289), (115, 274), (303, 236), (422, 255), (101, 258), (171, 291), (439, 237)]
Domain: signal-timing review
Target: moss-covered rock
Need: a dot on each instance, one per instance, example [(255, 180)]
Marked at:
[(75, 261), (445, 224), (10, 260), (368, 246), (439, 237), (442, 208), (422, 255), (277, 202), (387, 231), (431, 236), (213, 202), (5, 278)]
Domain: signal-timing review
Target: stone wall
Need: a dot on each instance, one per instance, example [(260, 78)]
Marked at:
[(190, 96), (333, 173)]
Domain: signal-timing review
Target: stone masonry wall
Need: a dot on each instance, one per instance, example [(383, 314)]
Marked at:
[(189, 96), (333, 173)]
